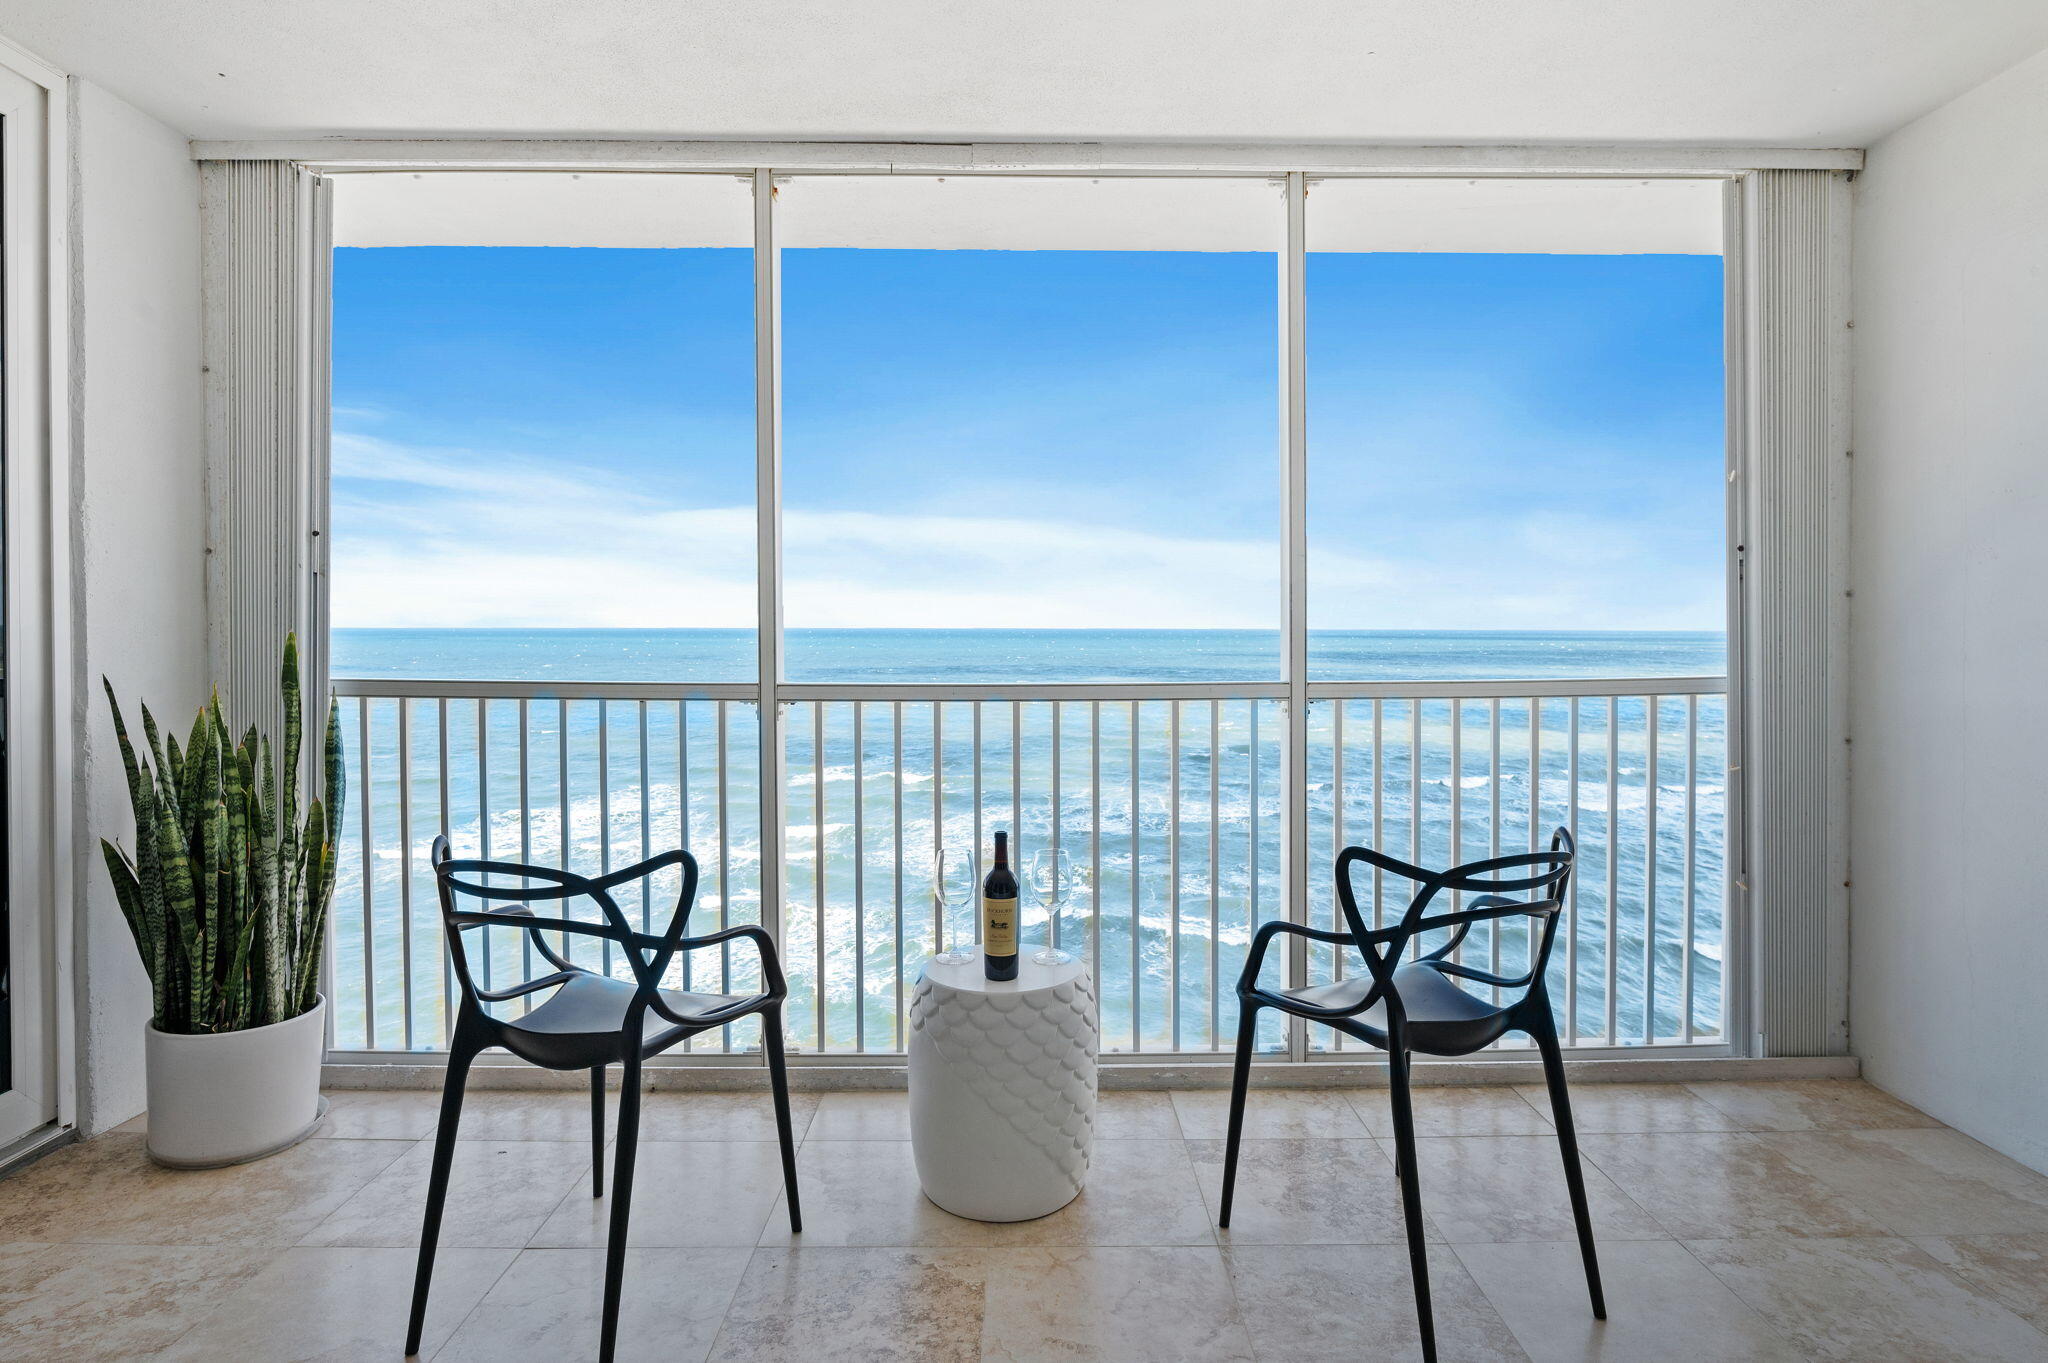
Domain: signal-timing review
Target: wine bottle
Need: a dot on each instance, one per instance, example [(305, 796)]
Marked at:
[(999, 916)]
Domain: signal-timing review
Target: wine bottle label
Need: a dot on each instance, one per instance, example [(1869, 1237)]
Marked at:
[(999, 926)]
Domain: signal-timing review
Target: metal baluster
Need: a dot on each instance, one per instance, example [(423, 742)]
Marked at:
[(569, 943), (369, 879), (441, 938), (1336, 834), (1215, 838), (1252, 894), (1457, 806), (1379, 796), (1095, 855), (896, 877), (1173, 875), (939, 925), (860, 903), (1571, 939), (646, 828), (483, 811), (1137, 979), (1017, 789), (683, 828), (724, 722), (1415, 781), (405, 856), (1692, 790), (1613, 857), (1052, 927), (1493, 837), (525, 848), (1653, 706), (974, 712), (604, 804), (818, 866)]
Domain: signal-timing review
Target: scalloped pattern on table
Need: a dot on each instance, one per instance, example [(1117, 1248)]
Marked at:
[(1028, 1056)]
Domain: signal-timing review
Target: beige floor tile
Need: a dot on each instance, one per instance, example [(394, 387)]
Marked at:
[(2011, 1268), (1126, 1116), (1662, 1304), (1870, 1300), (685, 1193), (1118, 1305), (1486, 1188), (106, 1191), (856, 1306), (1330, 1192), (1710, 1185), (1634, 1107), (720, 1116), (1921, 1182), (111, 1301), (549, 1305), (867, 1193), (1269, 1114), (339, 1304), (1456, 1110), (499, 1193), (1810, 1105), (1138, 1193), (1310, 1304), (380, 1115), (861, 1117)]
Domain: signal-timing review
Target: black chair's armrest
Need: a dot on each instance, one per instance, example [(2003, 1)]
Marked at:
[(1507, 908), (532, 930), (771, 961), (1484, 908), (1255, 958)]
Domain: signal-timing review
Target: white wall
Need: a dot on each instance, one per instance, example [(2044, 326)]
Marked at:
[(1949, 621), (139, 599)]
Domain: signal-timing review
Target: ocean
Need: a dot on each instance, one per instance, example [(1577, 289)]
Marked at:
[(1171, 813)]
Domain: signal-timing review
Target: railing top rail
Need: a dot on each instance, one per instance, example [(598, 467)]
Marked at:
[(1482, 689)]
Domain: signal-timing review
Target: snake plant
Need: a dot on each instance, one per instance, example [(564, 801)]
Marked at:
[(227, 891)]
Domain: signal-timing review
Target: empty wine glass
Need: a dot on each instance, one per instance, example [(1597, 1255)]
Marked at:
[(1051, 877), (954, 882)]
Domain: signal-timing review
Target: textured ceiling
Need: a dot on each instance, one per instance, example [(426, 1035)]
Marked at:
[(1766, 72)]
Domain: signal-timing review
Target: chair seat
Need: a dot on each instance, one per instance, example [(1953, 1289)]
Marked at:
[(594, 1006), (1442, 1018)]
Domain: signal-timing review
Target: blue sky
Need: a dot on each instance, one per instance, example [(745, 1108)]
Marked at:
[(563, 437)]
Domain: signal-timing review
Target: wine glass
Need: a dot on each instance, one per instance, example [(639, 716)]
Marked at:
[(954, 882), (1051, 874)]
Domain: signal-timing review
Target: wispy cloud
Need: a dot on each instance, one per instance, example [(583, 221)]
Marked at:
[(441, 537)]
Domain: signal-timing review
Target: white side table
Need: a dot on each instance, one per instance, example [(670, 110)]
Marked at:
[(1002, 1087)]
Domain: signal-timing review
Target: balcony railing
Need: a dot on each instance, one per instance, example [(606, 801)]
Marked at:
[(1172, 803)]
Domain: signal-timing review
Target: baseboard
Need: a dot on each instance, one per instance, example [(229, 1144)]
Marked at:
[(505, 1073)]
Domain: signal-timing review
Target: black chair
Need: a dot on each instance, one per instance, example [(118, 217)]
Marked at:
[(590, 1022), (1415, 1008)]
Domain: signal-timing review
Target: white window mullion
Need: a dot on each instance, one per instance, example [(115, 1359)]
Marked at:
[(1294, 537), (768, 546)]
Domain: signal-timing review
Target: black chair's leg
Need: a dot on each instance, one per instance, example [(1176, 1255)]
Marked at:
[(1411, 1193), (597, 1131), (778, 1080), (623, 1155), (462, 1049), (1568, 1145), (1240, 1080)]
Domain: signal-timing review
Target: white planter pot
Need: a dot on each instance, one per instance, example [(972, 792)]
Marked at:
[(228, 1097)]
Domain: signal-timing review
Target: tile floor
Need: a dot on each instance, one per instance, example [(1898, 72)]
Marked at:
[(1817, 1220)]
